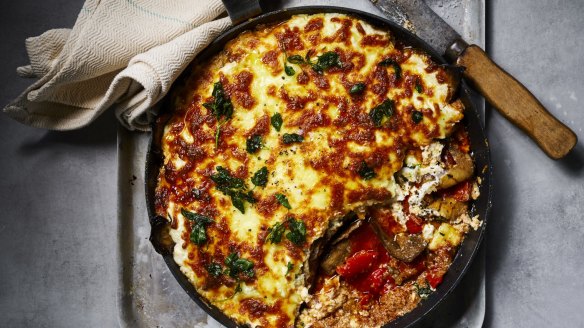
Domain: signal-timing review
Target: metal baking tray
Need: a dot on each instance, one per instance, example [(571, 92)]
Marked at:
[(149, 296)]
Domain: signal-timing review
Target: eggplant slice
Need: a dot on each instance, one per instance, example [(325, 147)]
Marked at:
[(340, 246), (403, 246), (330, 247)]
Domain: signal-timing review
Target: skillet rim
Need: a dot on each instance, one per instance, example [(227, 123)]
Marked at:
[(479, 145)]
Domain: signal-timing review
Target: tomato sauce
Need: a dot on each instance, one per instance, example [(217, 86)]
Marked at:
[(365, 269), (371, 270)]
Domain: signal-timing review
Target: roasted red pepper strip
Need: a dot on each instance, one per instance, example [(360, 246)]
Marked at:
[(358, 263), (434, 279), (414, 224), (389, 285), (461, 192), (406, 204), (372, 285), (365, 299), (376, 280)]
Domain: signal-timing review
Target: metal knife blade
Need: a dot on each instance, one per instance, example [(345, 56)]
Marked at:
[(425, 23)]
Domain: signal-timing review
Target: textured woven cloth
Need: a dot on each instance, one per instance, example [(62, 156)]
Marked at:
[(121, 54)]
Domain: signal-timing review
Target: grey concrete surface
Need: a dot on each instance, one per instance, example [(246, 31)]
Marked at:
[(57, 199), (536, 233), (66, 183)]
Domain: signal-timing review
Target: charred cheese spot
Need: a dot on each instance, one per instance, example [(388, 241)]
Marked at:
[(319, 176)]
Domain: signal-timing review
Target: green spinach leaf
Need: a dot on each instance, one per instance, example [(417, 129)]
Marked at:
[(419, 88), (297, 234), (214, 269), (396, 68), (232, 187), (417, 116), (365, 171), (276, 121), (283, 200), (275, 233), (260, 178), (254, 144), (198, 218), (289, 70), (224, 178), (236, 265), (326, 61), (221, 107), (357, 88), (423, 292), (198, 231), (198, 234), (290, 138), (296, 59), (385, 109)]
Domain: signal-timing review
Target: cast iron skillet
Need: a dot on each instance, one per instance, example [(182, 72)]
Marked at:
[(159, 234)]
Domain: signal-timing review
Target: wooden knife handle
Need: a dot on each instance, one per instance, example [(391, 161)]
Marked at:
[(516, 103)]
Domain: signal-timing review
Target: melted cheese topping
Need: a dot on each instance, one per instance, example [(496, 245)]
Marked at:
[(319, 176)]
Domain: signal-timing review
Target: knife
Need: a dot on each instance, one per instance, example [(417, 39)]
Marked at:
[(500, 89)]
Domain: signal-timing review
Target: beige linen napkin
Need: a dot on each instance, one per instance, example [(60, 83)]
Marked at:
[(121, 54)]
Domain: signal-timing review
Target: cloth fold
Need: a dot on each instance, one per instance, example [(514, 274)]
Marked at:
[(120, 54)]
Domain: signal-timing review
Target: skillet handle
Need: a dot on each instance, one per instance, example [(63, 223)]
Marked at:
[(242, 10), (516, 103)]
